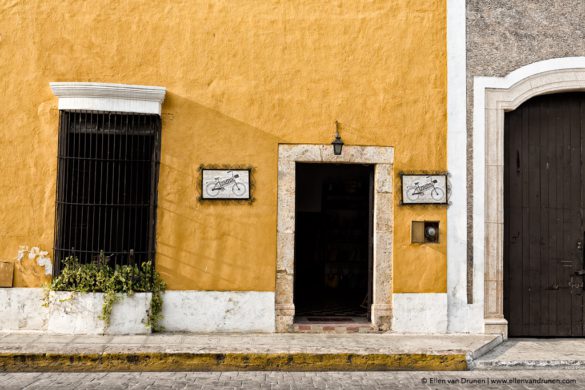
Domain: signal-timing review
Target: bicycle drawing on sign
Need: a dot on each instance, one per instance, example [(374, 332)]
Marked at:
[(424, 189), (226, 184)]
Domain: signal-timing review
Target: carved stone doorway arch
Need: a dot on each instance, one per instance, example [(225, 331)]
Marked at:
[(493, 97)]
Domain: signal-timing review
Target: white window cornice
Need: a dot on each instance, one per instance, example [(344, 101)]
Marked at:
[(109, 97)]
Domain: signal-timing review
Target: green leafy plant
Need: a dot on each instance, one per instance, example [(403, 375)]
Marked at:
[(114, 282)]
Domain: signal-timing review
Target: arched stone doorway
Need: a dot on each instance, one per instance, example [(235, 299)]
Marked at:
[(493, 97)]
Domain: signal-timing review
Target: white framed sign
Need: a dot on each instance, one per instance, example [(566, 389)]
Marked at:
[(424, 189), (222, 184)]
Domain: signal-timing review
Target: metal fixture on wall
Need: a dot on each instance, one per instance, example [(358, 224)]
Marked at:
[(431, 231), (425, 232), (337, 142)]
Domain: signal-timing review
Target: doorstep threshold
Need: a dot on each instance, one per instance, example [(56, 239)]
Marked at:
[(324, 324)]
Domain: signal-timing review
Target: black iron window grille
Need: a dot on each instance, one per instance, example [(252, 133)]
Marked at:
[(108, 167)]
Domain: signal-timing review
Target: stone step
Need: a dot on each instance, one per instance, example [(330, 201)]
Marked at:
[(331, 327)]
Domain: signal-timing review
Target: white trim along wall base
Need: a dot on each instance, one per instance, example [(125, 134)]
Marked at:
[(183, 311), (218, 311), (23, 310), (493, 96), (80, 313), (419, 313)]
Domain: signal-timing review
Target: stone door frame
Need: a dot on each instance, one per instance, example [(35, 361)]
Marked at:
[(493, 97), (383, 159)]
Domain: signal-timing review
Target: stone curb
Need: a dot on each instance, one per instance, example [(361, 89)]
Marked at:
[(474, 355), (79, 362)]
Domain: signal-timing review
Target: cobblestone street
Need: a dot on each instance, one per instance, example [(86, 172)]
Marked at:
[(566, 379)]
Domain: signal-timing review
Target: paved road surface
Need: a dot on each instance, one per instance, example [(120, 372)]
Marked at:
[(294, 380)]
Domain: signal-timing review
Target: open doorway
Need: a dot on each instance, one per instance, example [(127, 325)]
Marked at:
[(333, 242)]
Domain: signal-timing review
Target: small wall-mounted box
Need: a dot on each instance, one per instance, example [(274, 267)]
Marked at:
[(6, 274), (424, 232)]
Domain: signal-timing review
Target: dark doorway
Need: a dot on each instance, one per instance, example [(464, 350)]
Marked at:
[(543, 216), (333, 246)]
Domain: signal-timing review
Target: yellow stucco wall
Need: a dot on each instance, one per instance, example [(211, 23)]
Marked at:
[(242, 77)]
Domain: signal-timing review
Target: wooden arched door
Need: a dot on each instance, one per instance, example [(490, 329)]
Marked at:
[(544, 229)]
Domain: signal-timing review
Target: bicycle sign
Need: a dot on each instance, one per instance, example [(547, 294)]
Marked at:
[(225, 184), (424, 189)]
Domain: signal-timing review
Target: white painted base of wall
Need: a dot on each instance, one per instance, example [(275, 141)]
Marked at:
[(189, 311), (218, 311), (199, 311), (79, 313), (420, 313), (21, 309), (465, 318)]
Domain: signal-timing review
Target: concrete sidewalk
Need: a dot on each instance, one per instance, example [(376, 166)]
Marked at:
[(219, 352), (517, 354)]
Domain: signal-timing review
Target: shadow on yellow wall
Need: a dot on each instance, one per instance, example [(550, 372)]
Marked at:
[(206, 245), (242, 77)]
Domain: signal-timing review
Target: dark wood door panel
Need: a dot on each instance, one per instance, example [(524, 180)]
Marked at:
[(544, 179)]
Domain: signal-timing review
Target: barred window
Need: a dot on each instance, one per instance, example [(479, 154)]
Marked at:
[(107, 186)]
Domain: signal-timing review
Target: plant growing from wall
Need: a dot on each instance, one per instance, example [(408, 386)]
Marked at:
[(99, 277)]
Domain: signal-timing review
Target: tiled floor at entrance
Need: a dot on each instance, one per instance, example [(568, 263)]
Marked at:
[(332, 317), (336, 324), (331, 309)]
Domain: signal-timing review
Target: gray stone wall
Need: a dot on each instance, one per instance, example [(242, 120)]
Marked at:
[(504, 35)]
